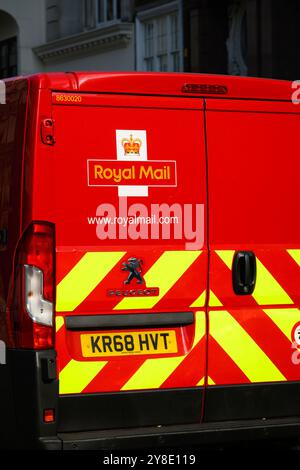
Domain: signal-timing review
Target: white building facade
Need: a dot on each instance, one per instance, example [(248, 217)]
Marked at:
[(104, 35), (56, 35)]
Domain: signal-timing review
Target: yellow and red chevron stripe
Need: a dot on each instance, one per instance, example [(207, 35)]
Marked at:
[(278, 278), (179, 275), (251, 339), (82, 287), (134, 374)]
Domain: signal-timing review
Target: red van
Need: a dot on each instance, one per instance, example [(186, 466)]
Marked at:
[(149, 260)]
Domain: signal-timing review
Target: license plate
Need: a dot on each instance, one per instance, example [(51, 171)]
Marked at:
[(128, 343)]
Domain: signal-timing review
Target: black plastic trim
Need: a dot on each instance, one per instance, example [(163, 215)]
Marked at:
[(183, 436), (253, 401), (32, 389), (93, 322), (129, 409)]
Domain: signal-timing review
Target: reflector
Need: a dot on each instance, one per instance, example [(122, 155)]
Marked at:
[(49, 415)]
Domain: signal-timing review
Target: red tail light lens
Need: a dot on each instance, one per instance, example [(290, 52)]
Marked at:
[(33, 300)]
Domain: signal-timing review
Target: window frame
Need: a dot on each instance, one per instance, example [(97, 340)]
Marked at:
[(154, 14), (115, 18)]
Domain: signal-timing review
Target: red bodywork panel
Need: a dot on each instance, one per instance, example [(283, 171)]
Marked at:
[(173, 142), (253, 205)]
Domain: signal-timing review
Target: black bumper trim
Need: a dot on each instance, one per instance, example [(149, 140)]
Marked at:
[(252, 401), (129, 409), (183, 436)]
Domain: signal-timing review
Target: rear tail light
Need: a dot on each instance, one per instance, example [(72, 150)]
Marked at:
[(39, 309), (32, 303)]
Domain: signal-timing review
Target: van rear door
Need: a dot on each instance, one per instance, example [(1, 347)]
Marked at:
[(254, 316), (128, 203)]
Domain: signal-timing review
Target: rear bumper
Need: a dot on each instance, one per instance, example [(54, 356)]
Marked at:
[(27, 387), (181, 437)]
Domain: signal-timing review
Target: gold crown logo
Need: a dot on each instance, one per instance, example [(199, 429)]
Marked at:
[(131, 146)]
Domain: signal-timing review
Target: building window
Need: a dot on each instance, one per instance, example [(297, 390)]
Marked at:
[(89, 20), (98, 12), (8, 58), (237, 40), (159, 40), (108, 10)]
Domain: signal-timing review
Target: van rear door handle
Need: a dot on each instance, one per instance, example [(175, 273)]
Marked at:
[(244, 272)]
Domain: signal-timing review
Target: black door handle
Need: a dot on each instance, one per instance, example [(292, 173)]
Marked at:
[(244, 272)]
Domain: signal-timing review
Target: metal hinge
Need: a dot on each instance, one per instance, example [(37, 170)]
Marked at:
[(47, 131)]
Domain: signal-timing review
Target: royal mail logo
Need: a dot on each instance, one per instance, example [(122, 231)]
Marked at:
[(155, 173), (131, 146), (132, 172)]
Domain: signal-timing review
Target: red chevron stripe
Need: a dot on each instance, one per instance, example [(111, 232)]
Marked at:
[(191, 370), (63, 356), (188, 287), (66, 261), (221, 368), (113, 376)]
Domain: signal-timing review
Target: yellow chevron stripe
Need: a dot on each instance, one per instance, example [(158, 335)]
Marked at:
[(226, 256), (267, 290), (154, 372), (295, 254), (59, 321), (163, 274), (209, 382), (242, 348), (77, 375), (214, 301), (285, 319), (83, 278), (200, 301)]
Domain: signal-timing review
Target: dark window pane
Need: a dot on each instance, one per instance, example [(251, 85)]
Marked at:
[(8, 58), (110, 10), (118, 12), (101, 5)]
